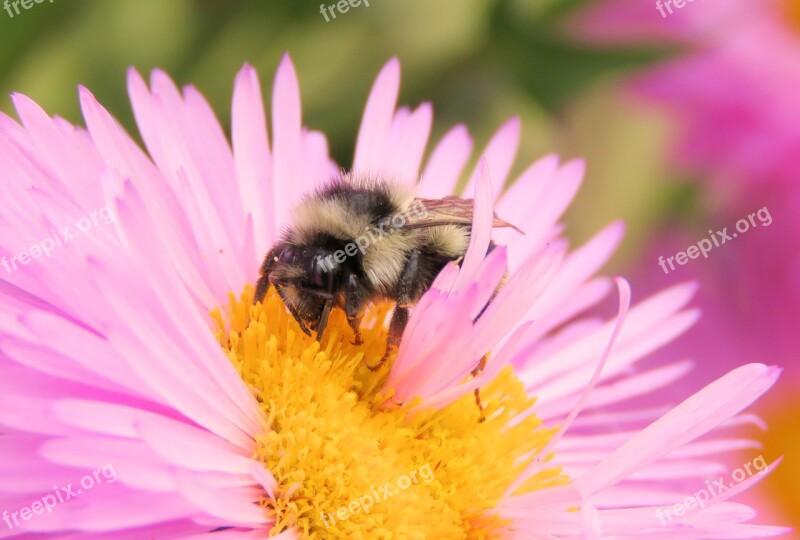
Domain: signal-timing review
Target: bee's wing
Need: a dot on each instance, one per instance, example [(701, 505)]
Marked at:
[(448, 211)]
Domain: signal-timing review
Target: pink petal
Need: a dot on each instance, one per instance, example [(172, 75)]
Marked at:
[(373, 134), (252, 155), (407, 151), (697, 415), (289, 183), (480, 237), (445, 164), (224, 504), (499, 155)]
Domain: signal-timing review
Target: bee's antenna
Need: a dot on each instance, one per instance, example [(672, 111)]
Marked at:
[(266, 267), (261, 288)]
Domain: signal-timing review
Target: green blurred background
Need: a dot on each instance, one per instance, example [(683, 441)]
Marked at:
[(478, 61)]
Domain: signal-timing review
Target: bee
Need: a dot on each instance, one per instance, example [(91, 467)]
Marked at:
[(359, 240)]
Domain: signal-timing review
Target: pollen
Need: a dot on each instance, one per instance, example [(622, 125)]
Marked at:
[(352, 463)]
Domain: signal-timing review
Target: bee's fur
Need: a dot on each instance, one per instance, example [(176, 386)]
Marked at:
[(393, 262), (339, 213), (346, 207)]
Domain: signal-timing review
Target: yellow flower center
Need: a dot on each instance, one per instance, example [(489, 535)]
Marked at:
[(352, 463)]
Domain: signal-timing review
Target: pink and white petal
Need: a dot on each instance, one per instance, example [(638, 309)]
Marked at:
[(376, 124), (408, 146), (22, 470), (525, 192), (694, 417), (446, 164), (481, 232), (199, 161), (207, 367), (569, 294), (626, 354), (42, 390), (163, 531), (578, 267), (464, 343), (168, 149), (522, 290), (554, 198), (192, 448), (290, 182), (318, 166), (164, 435), (212, 152), (113, 507), (252, 156), (121, 154), (83, 347), (617, 391), (543, 454), (646, 322), (239, 534), (499, 154), (235, 505), (61, 154)]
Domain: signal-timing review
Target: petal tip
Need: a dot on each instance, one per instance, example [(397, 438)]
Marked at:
[(286, 64)]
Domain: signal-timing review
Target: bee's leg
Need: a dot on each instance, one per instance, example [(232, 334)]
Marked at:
[(503, 281), (475, 372), (353, 304), (396, 327), (261, 288), (482, 364), (292, 310), (410, 287), (323, 320)]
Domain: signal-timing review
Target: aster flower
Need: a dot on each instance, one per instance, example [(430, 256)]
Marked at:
[(133, 347)]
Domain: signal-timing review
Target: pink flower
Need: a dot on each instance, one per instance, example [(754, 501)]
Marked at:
[(731, 88), (732, 91), (127, 361)]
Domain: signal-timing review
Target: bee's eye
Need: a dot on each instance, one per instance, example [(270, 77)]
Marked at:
[(318, 271), (287, 256), (317, 277)]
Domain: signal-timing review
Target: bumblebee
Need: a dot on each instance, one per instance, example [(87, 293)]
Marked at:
[(359, 240)]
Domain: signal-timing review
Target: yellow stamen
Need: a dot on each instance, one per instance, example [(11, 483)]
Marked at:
[(333, 444)]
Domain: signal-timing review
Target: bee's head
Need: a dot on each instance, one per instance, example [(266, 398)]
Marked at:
[(307, 279)]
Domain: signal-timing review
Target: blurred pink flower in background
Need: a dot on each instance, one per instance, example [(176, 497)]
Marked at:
[(733, 91)]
